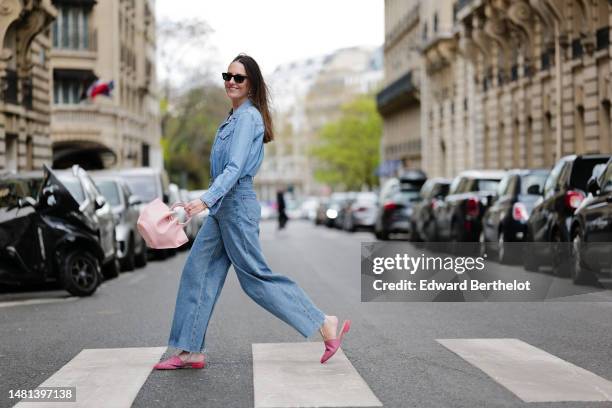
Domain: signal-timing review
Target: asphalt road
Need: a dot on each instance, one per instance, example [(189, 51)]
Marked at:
[(391, 345)]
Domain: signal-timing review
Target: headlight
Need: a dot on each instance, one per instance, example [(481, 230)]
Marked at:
[(331, 213)]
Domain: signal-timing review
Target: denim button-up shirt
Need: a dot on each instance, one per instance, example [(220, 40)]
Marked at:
[(237, 152)]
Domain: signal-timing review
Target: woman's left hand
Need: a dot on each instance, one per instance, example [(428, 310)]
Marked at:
[(195, 206)]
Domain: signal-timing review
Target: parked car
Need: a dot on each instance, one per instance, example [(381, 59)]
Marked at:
[(361, 211), (309, 208), (506, 220), (45, 236), (591, 230), (97, 211), (148, 183), (550, 220), (397, 198), (321, 213), (423, 221), (131, 247), (343, 205), (332, 208), (459, 216)]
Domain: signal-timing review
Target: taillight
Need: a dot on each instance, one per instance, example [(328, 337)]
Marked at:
[(389, 206), (573, 199), (519, 212), (472, 207), (362, 209), (435, 204)]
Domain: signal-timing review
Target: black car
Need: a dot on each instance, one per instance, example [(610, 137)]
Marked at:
[(564, 190), (423, 220), (459, 216), (395, 204), (45, 237), (506, 220), (98, 213), (591, 231)]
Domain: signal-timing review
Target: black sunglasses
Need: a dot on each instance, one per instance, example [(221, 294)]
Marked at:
[(238, 78)]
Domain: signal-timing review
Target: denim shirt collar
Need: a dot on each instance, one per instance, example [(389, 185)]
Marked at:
[(244, 105)]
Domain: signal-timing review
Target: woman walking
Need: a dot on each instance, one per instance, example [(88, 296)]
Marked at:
[(231, 232)]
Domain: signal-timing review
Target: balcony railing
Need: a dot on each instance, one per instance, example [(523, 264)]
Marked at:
[(396, 94)]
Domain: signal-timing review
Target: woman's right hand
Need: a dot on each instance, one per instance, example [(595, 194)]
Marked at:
[(194, 207)]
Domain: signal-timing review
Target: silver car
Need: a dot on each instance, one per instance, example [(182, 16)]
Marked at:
[(131, 248), (200, 217)]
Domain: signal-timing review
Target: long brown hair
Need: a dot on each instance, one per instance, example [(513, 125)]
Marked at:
[(259, 93)]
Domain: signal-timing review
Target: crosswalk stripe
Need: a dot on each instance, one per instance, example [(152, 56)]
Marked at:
[(530, 373), (290, 375), (26, 302), (103, 377)]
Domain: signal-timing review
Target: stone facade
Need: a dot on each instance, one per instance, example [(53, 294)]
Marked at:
[(25, 81), (510, 83), (514, 83), (398, 101), (106, 40)]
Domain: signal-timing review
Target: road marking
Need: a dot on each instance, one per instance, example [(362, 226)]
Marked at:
[(290, 375), (26, 302), (530, 373), (103, 377)]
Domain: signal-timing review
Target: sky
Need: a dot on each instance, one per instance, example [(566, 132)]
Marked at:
[(278, 31)]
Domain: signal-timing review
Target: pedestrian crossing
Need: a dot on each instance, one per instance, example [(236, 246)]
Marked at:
[(290, 375)]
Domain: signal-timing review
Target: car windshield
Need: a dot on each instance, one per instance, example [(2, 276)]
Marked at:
[(533, 179), (583, 169), (407, 196), (109, 191), (485, 185), (366, 197), (11, 191), (143, 186), (74, 186)]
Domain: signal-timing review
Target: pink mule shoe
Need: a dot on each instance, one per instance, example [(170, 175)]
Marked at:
[(331, 346), (175, 362)]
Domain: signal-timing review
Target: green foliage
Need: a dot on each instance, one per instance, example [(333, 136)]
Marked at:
[(347, 150), (189, 132)]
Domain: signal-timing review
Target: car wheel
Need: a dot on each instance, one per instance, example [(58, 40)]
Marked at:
[(112, 268), (560, 261), (130, 258), (79, 273), (579, 272), (141, 259), (502, 249), (482, 244)]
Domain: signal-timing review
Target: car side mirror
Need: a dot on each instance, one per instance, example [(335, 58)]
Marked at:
[(593, 186), (534, 189), (26, 202), (134, 200), (100, 202)]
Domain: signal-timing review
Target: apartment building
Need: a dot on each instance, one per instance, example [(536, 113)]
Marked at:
[(24, 84), (110, 40)]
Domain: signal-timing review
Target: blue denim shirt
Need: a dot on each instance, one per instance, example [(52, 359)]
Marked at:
[(237, 152)]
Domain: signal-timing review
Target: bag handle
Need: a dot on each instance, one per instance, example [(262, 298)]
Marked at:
[(179, 204)]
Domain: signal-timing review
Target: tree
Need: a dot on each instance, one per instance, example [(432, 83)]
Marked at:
[(190, 133), (347, 150)]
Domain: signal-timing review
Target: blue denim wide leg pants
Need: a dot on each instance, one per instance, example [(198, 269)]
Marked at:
[(231, 236)]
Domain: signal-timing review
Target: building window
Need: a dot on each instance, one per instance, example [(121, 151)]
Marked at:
[(11, 150), (71, 28), (435, 23), (66, 91)]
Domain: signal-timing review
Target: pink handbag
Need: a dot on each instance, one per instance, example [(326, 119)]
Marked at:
[(159, 226)]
